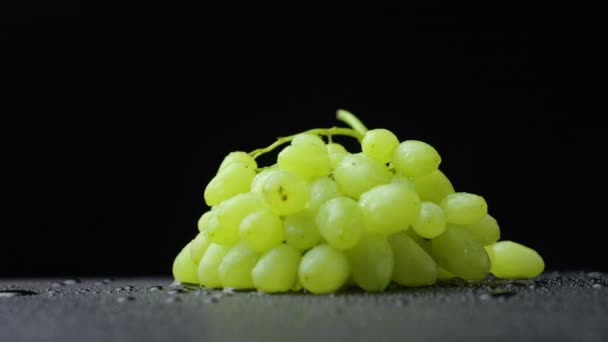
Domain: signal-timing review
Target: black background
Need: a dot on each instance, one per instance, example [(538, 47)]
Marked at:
[(114, 118)]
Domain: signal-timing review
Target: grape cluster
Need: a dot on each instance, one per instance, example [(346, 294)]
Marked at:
[(322, 218)]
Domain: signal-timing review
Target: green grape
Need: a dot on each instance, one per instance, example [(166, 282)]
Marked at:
[(308, 139), (403, 181), (389, 208), (260, 177), (235, 269), (238, 157), (464, 208), (486, 230), (431, 221), (184, 270), (340, 222), (207, 268), (229, 216), (307, 160), (371, 263), (458, 251), (285, 192), (357, 173), (379, 144), (198, 246), (202, 221), (412, 265), (301, 230), (233, 179), (277, 270), (422, 242), (336, 153), (414, 158), (261, 230), (512, 260), (433, 187), (321, 190), (443, 274), (323, 269)]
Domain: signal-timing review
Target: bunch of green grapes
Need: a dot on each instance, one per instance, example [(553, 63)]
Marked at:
[(322, 218)]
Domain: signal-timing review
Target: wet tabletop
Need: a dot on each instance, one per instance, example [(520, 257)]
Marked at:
[(555, 307)]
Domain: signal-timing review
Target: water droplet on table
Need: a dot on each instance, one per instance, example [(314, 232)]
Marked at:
[(123, 299), (16, 293)]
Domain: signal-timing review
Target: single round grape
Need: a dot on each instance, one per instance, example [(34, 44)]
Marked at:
[(433, 187), (229, 216), (414, 158), (277, 270), (371, 263), (207, 268), (233, 179), (340, 222), (358, 173), (323, 269), (184, 269), (412, 265), (458, 251), (202, 221), (261, 230), (512, 260), (285, 192), (379, 144), (198, 246), (336, 153), (308, 139), (431, 221), (307, 160), (321, 190), (301, 229), (235, 269), (403, 181), (238, 157), (464, 208), (486, 230), (389, 208)]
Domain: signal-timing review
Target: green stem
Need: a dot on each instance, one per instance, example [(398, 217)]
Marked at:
[(350, 119)]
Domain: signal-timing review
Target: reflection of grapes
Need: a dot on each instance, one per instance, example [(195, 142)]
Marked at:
[(322, 215)]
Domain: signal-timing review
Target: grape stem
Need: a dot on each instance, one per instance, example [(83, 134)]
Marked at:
[(356, 131)]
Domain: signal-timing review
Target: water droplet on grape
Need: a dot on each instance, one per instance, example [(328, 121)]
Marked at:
[(16, 293)]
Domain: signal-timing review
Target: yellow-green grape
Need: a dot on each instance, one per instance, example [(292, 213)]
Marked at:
[(307, 160), (512, 260), (308, 139), (277, 270), (389, 208), (198, 246), (403, 181), (486, 230), (260, 177), (235, 269), (414, 158), (412, 265), (379, 144), (321, 190), (285, 192), (323, 269), (238, 157), (433, 187), (422, 242), (184, 269), (233, 179), (358, 173), (340, 222), (336, 153), (261, 230), (371, 263), (443, 274), (229, 216), (301, 229), (464, 208), (431, 221), (458, 251), (202, 221), (207, 268)]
